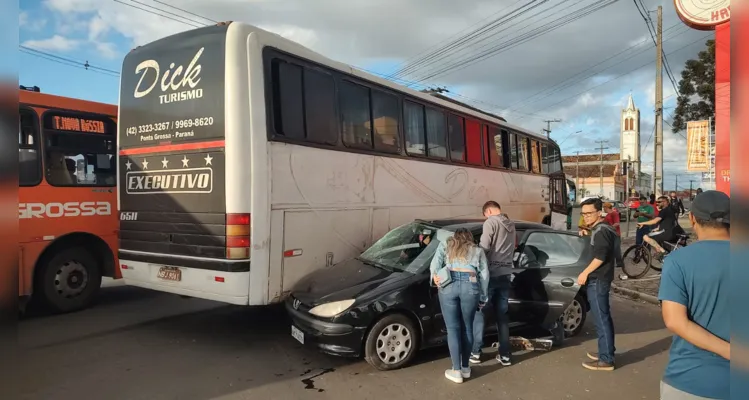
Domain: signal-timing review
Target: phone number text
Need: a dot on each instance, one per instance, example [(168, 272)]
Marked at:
[(169, 125)]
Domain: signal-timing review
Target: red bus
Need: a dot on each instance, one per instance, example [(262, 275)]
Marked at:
[(67, 199)]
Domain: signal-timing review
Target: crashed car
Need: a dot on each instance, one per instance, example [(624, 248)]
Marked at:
[(381, 305)]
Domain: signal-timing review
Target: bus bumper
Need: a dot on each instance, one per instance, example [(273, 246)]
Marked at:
[(227, 287)]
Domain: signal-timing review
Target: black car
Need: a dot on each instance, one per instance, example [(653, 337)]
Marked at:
[(381, 304)]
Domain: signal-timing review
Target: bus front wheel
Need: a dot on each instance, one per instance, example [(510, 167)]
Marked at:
[(69, 280)]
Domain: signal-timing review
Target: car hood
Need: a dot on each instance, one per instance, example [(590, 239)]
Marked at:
[(347, 280)]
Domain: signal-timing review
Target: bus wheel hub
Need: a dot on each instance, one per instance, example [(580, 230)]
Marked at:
[(71, 279)]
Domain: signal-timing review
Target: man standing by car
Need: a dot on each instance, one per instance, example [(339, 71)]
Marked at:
[(695, 306), (498, 241), (598, 277)]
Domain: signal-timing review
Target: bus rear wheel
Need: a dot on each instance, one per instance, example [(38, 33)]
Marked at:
[(69, 280)]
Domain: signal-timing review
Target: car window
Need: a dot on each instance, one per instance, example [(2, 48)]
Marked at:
[(400, 247), (553, 249)]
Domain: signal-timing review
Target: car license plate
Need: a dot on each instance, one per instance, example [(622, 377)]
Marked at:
[(170, 274), (297, 334)]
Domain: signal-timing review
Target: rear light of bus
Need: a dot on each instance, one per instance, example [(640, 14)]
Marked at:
[(237, 236)]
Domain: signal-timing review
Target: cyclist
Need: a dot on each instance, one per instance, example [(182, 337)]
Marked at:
[(668, 227)]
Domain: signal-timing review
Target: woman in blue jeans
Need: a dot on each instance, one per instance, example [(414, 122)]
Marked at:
[(459, 299)]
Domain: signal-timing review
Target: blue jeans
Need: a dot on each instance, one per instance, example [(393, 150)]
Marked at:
[(499, 295), (459, 301), (640, 233), (598, 297)]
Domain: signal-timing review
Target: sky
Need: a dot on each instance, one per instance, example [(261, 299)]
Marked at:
[(581, 72)]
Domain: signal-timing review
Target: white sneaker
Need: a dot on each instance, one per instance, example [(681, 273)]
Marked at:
[(465, 372), (454, 375)]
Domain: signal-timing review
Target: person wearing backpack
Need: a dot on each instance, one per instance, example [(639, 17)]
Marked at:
[(597, 278)]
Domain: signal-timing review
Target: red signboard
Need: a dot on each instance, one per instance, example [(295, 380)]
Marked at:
[(723, 108)]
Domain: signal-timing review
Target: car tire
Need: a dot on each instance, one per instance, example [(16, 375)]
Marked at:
[(404, 342), (573, 318), (78, 290)]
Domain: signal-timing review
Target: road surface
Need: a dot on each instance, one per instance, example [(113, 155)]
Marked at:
[(138, 344)]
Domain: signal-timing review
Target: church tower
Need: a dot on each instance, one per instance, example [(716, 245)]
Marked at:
[(629, 144)]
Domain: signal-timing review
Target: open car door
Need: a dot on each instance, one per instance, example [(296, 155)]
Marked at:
[(547, 264)]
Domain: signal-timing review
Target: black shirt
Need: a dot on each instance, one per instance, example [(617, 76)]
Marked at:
[(604, 241), (668, 219)]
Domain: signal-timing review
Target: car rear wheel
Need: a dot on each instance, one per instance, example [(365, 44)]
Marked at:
[(391, 343), (573, 318)]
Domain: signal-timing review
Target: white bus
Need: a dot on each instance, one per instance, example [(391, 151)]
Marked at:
[(247, 161)]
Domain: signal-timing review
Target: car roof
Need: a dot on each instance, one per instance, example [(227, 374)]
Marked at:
[(473, 224)]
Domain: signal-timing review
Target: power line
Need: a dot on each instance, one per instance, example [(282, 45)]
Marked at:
[(155, 13), (620, 76), (67, 61), (651, 29), (185, 11), (466, 38), (169, 12), (509, 44), (561, 86)]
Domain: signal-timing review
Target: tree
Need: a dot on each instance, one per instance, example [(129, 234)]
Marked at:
[(696, 99)]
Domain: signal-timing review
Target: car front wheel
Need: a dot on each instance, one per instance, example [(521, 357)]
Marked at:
[(391, 343), (574, 317)]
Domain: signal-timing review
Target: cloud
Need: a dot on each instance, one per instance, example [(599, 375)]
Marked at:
[(30, 24), (579, 73), (54, 43), (107, 50)]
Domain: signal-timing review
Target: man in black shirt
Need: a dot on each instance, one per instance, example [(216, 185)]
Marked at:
[(597, 278), (668, 226)]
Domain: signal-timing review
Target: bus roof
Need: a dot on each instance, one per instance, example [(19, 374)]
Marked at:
[(46, 100), (266, 38)]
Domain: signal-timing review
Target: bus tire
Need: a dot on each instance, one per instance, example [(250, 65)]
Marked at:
[(68, 280)]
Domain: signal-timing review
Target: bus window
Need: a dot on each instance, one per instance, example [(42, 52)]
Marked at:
[(436, 134), (456, 137), (494, 146), (355, 115), (29, 169), (555, 161), (513, 151), (386, 118), (473, 142), (80, 159), (535, 159), (319, 107), (522, 153), (289, 110), (414, 118), (544, 159)]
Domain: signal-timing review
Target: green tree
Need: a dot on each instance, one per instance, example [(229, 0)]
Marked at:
[(696, 99)]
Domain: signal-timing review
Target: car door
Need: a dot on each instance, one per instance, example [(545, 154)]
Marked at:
[(547, 265)]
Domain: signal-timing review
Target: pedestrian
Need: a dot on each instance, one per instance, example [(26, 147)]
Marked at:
[(652, 199), (498, 241), (694, 293), (460, 271), (644, 213), (597, 278), (676, 205), (612, 217)]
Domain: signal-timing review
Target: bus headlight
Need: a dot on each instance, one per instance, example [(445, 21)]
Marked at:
[(328, 310)]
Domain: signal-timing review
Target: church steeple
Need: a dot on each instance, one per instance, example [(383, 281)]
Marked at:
[(630, 103)]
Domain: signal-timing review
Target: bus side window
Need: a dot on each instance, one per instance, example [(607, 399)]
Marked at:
[(356, 118), (29, 168), (456, 138), (544, 159), (535, 159), (522, 153)]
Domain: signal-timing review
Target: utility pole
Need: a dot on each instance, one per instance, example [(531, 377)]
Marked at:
[(658, 158), (602, 148), (548, 126), (690, 189), (577, 176), (676, 185)]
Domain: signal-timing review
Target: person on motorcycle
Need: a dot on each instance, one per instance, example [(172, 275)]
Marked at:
[(668, 227)]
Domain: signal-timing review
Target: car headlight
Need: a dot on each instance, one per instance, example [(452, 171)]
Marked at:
[(328, 310)]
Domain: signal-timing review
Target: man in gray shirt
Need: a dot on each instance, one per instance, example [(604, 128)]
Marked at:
[(498, 241)]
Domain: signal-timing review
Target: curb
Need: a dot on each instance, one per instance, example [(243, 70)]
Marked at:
[(636, 295)]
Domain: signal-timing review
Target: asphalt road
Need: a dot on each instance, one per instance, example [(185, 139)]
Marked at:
[(138, 344)]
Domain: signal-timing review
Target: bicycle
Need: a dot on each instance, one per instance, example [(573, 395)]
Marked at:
[(651, 257)]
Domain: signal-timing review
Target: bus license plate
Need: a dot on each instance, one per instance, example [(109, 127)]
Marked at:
[(297, 334), (170, 274)]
